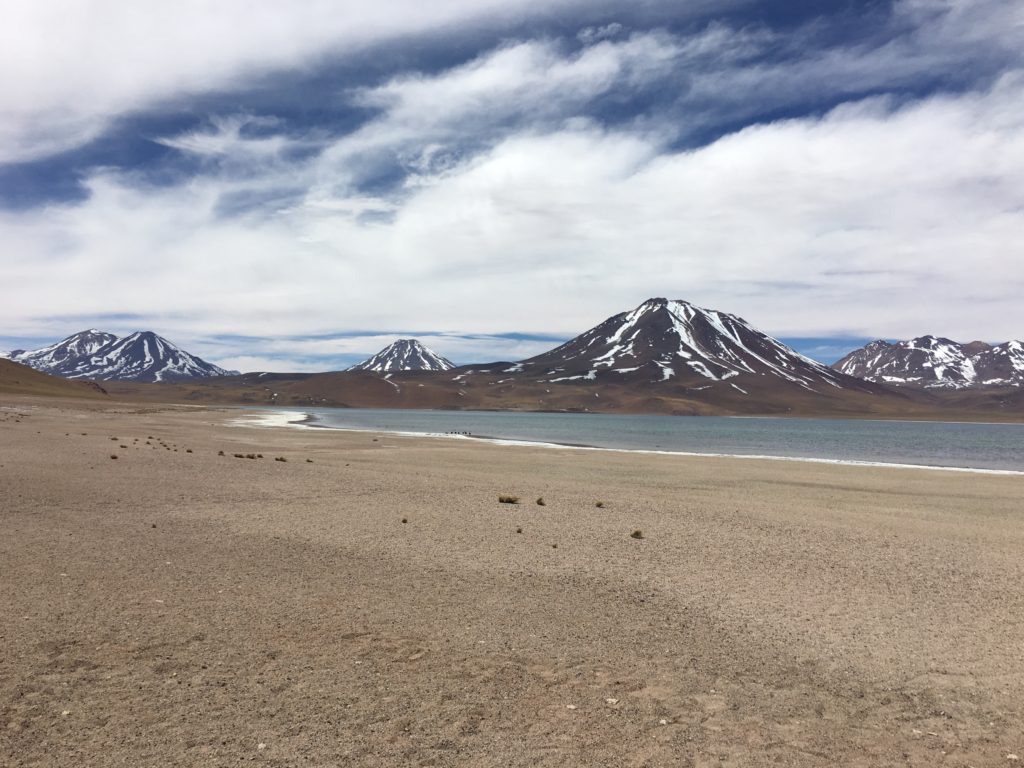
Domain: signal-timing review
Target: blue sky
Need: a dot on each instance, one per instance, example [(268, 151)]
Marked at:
[(262, 182)]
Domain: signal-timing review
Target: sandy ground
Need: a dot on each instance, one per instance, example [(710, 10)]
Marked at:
[(377, 606)]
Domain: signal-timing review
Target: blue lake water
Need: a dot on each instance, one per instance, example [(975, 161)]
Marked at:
[(976, 446)]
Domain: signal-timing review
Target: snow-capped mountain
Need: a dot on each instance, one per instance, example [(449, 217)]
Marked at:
[(664, 340), (47, 359), (937, 363), (141, 356), (404, 355)]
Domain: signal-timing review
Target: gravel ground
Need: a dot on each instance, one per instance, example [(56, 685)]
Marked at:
[(368, 601)]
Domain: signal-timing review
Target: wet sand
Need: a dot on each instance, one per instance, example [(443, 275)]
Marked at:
[(174, 606)]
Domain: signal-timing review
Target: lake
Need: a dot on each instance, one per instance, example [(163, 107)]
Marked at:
[(936, 444)]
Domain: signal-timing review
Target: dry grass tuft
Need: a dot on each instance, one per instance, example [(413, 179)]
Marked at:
[(508, 499), (540, 502), (637, 534)]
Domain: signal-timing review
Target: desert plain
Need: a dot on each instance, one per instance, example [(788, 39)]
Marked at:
[(367, 601)]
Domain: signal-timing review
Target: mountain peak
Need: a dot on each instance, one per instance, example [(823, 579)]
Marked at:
[(140, 356), (935, 362), (662, 340), (404, 355)]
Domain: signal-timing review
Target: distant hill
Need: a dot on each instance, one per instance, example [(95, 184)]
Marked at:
[(18, 379)]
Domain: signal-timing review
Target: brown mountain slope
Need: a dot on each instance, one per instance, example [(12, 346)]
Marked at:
[(18, 379), (469, 389)]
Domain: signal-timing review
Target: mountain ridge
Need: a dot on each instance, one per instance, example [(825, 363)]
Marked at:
[(140, 356), (935, 362)]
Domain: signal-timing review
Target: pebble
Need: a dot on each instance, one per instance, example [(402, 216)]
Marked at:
[(570, 706)]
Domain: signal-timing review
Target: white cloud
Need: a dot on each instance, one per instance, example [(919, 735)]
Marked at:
[(73, 66), (881, 218), (874, 220)]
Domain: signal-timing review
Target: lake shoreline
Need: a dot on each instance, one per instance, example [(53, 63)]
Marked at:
[(303, 419)]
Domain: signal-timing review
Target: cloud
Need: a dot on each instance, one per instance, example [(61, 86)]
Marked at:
[(547, 183), (80, 64), (862, 222)]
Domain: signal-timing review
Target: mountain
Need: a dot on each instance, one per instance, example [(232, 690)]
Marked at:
[(49, 359), (404, 355), (933, 362), (668, 357), (664, 341), (141, 356)]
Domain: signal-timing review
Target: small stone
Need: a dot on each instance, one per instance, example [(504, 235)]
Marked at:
[(570, 706), (1012, 757), (65, 713), (663, 721), (611, 701), (261, 746)]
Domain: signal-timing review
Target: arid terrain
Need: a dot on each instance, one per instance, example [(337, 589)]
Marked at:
[(368, 601), (488, 390)]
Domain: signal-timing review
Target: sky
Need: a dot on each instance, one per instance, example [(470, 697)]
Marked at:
[(291, 186)]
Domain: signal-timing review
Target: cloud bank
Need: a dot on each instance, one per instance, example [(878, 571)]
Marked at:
[(818, 186)]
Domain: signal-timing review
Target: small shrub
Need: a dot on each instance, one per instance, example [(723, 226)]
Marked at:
[(599, 504), (113, 455), (554, 546), (239, 455), (637, 534), (540, 502), (508, 499), (220, 453), (259, 455), (250, 455), (280, 458), (405, 520), (188, 450), (519, 530), (309, 461), (115, 439), (122, 446)]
